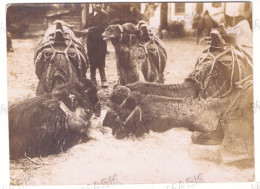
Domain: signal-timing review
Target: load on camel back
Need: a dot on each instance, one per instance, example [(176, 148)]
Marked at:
[(59, 58), (140, 55), (214, 101)]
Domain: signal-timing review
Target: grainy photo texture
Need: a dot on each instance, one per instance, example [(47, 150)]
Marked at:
[(130, 93)]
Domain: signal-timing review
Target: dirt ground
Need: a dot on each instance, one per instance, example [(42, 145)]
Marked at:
[(168, 157)]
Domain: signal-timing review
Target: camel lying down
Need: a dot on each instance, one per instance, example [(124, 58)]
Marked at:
[(215, 102), (211, 121)]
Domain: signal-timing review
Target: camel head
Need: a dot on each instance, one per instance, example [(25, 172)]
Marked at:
[(126, 33), (59, 58), (113, 32)]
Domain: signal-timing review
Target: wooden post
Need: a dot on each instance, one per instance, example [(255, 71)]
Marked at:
[(84, 14), (164, 15), (225, 22)]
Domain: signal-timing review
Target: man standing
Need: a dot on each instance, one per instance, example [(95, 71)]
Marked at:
[(96, 46)]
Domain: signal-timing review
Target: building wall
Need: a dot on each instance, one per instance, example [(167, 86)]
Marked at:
[(191, 9), (37, 26), (26, 20), (154, 22), (215, 8), (186, 15), (73, 18), (239, 9)]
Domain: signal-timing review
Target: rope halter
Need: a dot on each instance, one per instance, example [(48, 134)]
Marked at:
[(121, 32)]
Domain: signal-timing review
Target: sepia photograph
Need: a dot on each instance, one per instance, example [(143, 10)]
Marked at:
[(119, 93)]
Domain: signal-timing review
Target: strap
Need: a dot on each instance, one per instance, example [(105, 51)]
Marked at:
[(64, 108), (121, 28), (121, 32)]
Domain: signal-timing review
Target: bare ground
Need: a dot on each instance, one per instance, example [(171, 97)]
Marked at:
[(168, 157)]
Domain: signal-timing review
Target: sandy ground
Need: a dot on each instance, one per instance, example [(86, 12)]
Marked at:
[(168, 157)]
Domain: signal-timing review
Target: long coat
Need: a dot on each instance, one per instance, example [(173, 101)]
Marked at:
[(96, 46)]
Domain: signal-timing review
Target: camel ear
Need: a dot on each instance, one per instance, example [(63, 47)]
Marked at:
[(139, 33)]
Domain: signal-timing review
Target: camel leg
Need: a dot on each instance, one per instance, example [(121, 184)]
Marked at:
[(208, 138)]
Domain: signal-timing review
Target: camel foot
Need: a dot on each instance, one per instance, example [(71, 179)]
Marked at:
[(210, 138)]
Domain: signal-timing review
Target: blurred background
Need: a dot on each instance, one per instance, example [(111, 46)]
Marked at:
[(168, 20)]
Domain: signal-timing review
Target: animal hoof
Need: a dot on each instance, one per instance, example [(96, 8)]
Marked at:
[(119, 130), (110, 119), (212, 138), (104, 84), (119, 133), (94, 82)]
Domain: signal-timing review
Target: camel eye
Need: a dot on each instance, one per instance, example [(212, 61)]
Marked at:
[(72, 53), (51, 37), (47, 54), (66, 35), (72, 97)]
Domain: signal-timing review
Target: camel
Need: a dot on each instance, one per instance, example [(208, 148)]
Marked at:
[(219, 87), (59, 58), (137, 59)]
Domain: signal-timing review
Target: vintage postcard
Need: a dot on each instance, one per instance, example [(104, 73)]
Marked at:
[(130, 93)]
